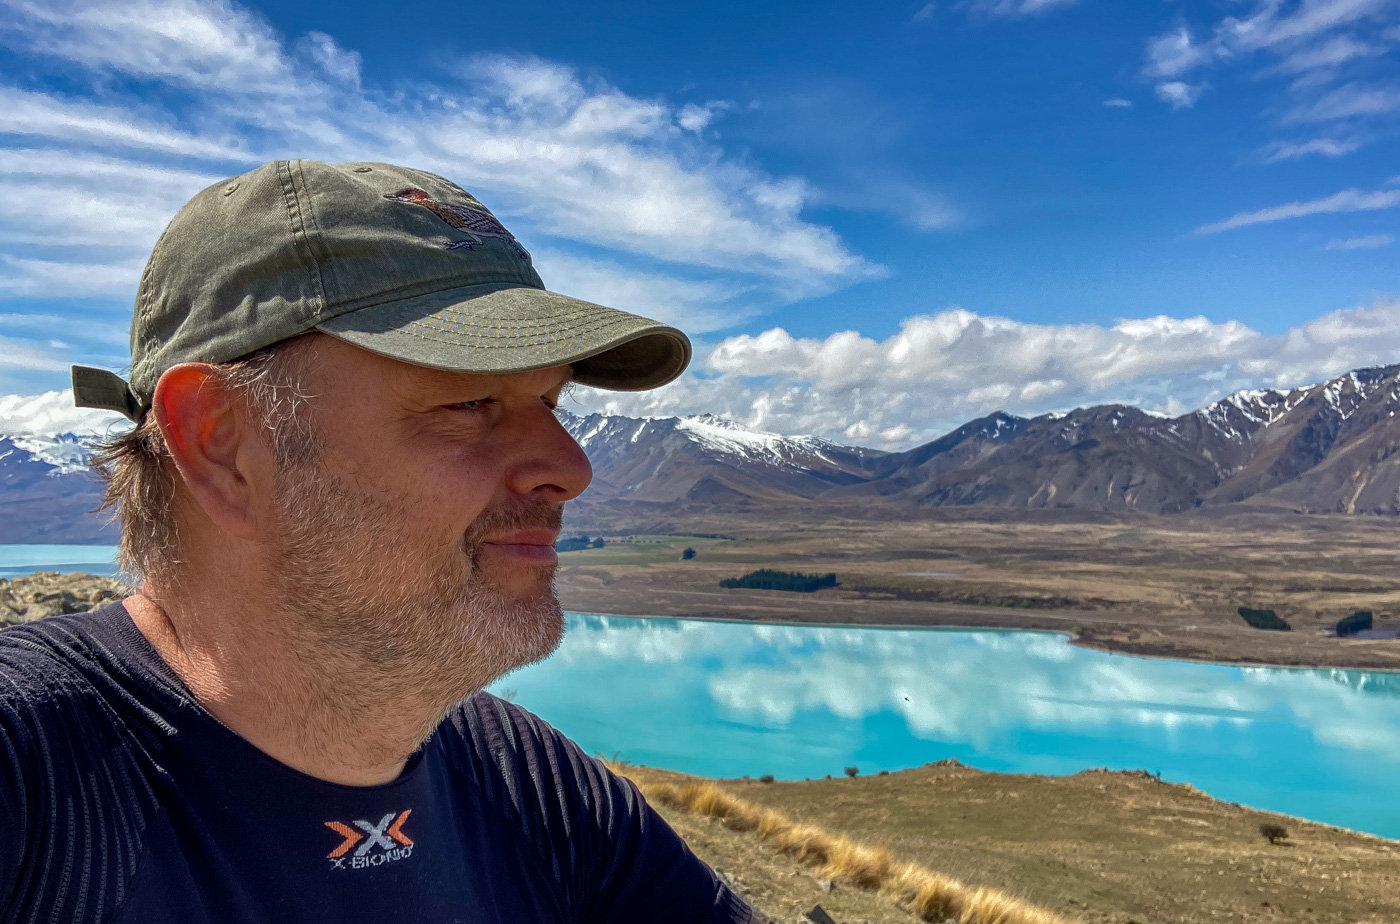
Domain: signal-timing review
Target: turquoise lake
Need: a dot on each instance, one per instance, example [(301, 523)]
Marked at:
[(726, 699)]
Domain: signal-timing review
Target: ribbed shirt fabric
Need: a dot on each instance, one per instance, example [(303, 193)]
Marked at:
[(124, 802)]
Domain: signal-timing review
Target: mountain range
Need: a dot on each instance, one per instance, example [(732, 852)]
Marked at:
[(1333, 447)]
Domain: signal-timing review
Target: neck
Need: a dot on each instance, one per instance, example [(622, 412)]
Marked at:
[(315, 715)]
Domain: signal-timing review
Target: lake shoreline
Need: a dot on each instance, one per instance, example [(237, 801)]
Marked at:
[(1124, 639)]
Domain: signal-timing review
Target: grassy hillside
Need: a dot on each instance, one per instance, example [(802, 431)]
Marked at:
[(1097, 847)]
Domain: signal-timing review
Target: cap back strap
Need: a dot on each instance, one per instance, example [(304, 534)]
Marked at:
[(107, 391)]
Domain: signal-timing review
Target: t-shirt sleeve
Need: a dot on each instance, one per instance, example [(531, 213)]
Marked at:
[(616, 859)]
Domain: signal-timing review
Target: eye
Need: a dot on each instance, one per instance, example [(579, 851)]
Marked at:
[(473, 407)]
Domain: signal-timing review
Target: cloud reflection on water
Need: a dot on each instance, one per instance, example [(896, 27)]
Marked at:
[(726, 699), (973, 686)]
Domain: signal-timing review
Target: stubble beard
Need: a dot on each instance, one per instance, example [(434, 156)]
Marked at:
[(392, 619)]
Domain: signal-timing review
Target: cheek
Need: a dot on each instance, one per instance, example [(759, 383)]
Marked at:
[(452, 490)]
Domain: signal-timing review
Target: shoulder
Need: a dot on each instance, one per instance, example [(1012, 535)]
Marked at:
[(613, 857), (67, 757), (68, 705), (523, 765), (57, 674)]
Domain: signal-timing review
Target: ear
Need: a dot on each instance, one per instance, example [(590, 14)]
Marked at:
[(218, 453)]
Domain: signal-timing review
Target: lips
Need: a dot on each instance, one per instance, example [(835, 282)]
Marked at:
[(536, 545)]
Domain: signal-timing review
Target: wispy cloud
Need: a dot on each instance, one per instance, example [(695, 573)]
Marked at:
[(941, 369), (632, 197), (1348, 200), (1368, 242), (1117, 103), (1324, 147), (1178, 94), (1324, 49), (1013, 9)]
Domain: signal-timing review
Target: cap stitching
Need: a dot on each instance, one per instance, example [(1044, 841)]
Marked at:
[(318, 261), (411, 330), (295, 225)]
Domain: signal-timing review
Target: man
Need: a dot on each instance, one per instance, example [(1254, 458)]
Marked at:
[(339, 501)]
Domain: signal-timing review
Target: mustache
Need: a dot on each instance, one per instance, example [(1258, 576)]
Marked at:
[(535, 514)]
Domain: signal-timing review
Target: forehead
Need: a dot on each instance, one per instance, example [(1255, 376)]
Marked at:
[(356, 366), (424, 379)]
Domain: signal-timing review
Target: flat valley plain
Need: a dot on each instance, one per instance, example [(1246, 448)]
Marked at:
[(1150, 585)]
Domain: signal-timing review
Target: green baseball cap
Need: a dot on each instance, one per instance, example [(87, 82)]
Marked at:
[(396, 261)]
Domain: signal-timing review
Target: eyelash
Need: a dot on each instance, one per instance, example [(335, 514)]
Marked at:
[(482, 403)]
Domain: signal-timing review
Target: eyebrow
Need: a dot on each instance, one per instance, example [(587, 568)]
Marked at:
[(429, 378)]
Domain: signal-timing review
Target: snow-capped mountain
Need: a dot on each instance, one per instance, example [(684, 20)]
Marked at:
[(47, 494), (1329, 447), (709, 459)]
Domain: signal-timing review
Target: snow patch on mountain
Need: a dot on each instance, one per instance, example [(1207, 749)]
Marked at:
[(726, 436), (66, 452)]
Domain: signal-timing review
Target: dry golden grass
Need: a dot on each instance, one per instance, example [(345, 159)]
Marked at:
[(929, 895)]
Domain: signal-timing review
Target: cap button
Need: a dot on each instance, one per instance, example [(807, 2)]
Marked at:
[(230, 189), (363, 169)]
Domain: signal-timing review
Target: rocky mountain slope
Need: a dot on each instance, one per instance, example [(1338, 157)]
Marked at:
[(1329, 448), (710, 460), (1333, 447), (47, 494)]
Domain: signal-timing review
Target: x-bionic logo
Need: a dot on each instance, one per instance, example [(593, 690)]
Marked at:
[(364, 837)]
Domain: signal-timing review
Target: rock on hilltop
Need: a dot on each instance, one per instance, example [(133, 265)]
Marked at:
[(48, 593)]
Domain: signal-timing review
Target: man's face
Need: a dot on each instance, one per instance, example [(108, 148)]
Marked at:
[(421, 540)]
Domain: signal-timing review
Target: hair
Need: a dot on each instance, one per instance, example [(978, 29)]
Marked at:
[(139, 477)]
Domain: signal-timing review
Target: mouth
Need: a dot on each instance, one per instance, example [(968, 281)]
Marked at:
[(531, 545)]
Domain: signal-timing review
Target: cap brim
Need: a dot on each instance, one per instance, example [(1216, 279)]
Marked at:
[(499, 328)]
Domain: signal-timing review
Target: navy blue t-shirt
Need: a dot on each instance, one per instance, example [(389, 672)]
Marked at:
[(124, 802)]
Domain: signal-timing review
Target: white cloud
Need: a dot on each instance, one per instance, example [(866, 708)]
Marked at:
[(1292, 150), (1328, 54), (1178, 94), (943, 369), (1348, 101), (1117, 103), (700, 306), (1174, 53), (925, 12), (1013, 9), (208, 44), (695, 118), (572, 164), (1367, 242), (1348, 200), (50, 413), (1316, 43)]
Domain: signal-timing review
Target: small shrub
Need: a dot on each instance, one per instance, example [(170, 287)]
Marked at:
[(572, 544), (1273, 833), (598, 543), (852, 772), (768, 579), (688, 554), (1263, 619), (1359, 621), (766, 778), (884, 773)]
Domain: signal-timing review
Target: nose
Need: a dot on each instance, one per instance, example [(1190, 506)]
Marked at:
[(552, 465)]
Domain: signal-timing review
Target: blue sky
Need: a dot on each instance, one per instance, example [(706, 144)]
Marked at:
[(876, 222)]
